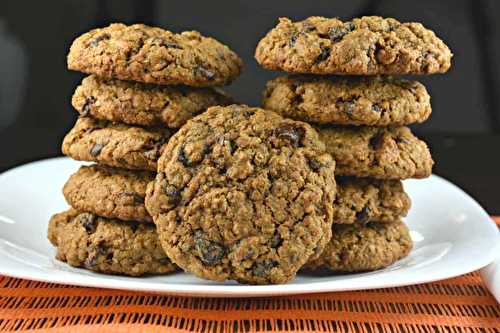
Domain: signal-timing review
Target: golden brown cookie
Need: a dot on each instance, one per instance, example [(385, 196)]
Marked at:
[(109, 192), (153, 55), (107, 245), (143, 104), (368, 45), (376, 101), (243, 194)]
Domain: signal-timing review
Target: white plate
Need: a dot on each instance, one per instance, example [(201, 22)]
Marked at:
[(453, 235)]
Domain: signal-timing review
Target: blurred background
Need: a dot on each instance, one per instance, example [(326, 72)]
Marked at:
[(463, 131)]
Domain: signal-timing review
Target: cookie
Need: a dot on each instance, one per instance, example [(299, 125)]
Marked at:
[(109, 192), (107, 245), (361, 200), (153, 55), (143, 104), (114, 144), (243, 194), (355, 248), (377, 152), (369, 101), (368, 45)]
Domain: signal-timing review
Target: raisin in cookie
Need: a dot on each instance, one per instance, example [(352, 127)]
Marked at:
[(114, 144), (143, 104), (355, 248), (153, 55), (377, 152), (107, 245), (243, 194), (364, 46), (369, 101), (109, 192), (362, 200)]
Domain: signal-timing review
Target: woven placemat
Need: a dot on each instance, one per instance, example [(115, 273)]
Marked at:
[(461, 304)]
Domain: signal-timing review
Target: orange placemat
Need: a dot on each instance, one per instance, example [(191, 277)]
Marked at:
[(461, 304)]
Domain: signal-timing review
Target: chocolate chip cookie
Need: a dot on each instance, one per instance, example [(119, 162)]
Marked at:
[(355, 248), (109, 192), (153, 55), (377, 152), (243, 194), (143, 104), (376, 101), (115, 144), (107, 245), (368, 45), (362, 200)]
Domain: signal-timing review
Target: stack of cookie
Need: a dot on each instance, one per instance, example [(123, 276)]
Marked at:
[(361, 120), (144, 84)]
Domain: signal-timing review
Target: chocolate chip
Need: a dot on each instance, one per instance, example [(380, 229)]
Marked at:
[(173, 194), (337, 33), (87, 106), (94, 42), (291, 133), (181, 157), (166, 43), (323, 55), (314, 164), (376, 108), (209, 251), (109, 256), (232, 146), (262, 269), (164, 261), (208, 74), (293, 39), (363, 216), (96, 149), (88, 222), (376, 141)]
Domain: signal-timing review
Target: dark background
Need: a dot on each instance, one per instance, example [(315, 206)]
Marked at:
[(463, 131)]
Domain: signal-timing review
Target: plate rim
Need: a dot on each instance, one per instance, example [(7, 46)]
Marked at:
[(103, 281)]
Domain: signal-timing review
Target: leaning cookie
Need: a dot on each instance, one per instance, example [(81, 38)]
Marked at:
[(377, 152), (368, 45), (153, 55), (231, 164), (376, 101), (109, 192), (114, 144), (143, 104), (360, 200), (107, 245), (355, 248)]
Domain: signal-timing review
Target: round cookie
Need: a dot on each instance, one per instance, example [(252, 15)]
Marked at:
[(107, 245), (368, 45), (153, 55), (109, 192), (376, 101), (115, 144), (355, 248), (361, 200), (377, 152), (143, 104), (243, 194)]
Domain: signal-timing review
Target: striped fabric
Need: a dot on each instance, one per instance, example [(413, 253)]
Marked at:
[(461, 304)]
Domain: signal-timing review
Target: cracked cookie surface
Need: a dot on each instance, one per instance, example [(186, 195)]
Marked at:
[(368, 45), (153, 55), (114, 144), (107, 245), (109, 192), (143, 104), (362, 200), (243, 194), (355, 248), (368, 101), (377, 152)]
